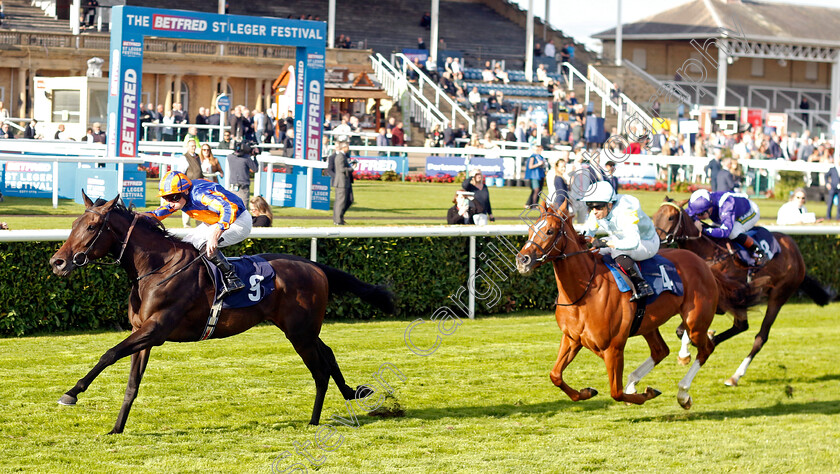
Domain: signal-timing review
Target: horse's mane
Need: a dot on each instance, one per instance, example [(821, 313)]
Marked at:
[(149, 223)]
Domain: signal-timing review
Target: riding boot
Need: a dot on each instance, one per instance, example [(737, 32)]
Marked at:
[(230, 280), (752, 246), (641, 289)]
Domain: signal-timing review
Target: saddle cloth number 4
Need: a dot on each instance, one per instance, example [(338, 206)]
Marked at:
[(666, 282)]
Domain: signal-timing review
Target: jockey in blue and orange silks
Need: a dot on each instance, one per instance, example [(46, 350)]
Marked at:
[(224, 219), (734, 213)]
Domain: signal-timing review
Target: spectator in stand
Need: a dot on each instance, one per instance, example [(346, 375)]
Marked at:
[(441, 45), (382, 140), (181, 118), (339, 43), (550, 50), (502, 105), (558, 188), (571, 100), (397, 135), (262, 128), (61, 134), (456, 67), (804, 105), (564, 54), (6, 132), (157, 118), (521, 132), (487, 73), (421, 44), (288, 142), (492, 133), (29, 132), (426, 21), (261, 215), (609, 167), (537, 49), (201, 119), (807, 148), (168, 131), (500, 74), (98, 135), (615, 94), (192, 136), (832, 183), (448, 135), (462, 134), (211, 170), (431, 68), (535, 173), (90, 13), (713, 168), (725, 178), (435, 138), (447, 66), (509, 135), (475, 184), (542, 75), (226, 143), (4, 114), (145, 117), (794, 211), (88, 135)]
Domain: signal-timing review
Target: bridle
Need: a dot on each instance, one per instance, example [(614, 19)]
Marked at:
[(674, 236), (545, 257), (80, 259)]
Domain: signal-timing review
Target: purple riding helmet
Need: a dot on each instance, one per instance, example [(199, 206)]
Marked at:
[(700, 202)]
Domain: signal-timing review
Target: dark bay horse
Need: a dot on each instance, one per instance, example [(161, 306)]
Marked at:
[(163, 307), (774, 283), (593, 313)]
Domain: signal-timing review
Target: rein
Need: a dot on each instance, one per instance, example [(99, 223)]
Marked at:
[(674, 237)]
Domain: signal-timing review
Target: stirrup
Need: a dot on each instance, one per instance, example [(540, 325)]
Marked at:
[(641, 290)]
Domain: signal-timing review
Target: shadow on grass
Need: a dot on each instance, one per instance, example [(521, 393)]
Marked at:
[(505, 410), (778, 409)]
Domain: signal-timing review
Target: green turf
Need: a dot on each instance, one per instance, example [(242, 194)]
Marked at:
[(377, 203), (481, 402)]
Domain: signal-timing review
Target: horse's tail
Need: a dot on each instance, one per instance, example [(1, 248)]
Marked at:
[(342, 282), (735, 295), (816, 291)]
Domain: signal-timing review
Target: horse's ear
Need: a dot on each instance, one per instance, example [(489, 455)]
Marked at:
[(88, 202), (668, 199), (564, 206), (110, 204), (682, 203)]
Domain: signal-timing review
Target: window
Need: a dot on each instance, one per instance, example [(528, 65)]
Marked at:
[(758, 67), (185, 96), (640, 57), (811, 71), (98, 107), (66, 106)]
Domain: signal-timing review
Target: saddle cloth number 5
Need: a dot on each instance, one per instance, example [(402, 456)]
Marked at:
[(666, 282), (255, 292)]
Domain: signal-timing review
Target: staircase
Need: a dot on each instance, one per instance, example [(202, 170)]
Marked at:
[(412, 102), (22, 16)]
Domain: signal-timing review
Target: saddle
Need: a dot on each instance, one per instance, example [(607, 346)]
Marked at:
[(764, 239), (658, 272), (254, 271)]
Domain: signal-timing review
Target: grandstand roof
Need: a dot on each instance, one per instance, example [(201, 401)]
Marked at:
[(760, 21)]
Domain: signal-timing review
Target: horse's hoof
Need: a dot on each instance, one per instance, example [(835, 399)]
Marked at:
[(67, 400), (114, 431), (731, 382), (684, 360), (684, 399), (588, 393), (651, 393)]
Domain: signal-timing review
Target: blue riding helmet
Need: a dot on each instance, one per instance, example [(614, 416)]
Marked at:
[(700, 202)]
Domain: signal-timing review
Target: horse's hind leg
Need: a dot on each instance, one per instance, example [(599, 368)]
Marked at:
[(138, 367), (568, 350), (317, 365), (773, 308), (658, 351), (328, 356)]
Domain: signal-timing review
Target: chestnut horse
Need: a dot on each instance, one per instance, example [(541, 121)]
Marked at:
[(774, 283), (593, 313), (171, 297)]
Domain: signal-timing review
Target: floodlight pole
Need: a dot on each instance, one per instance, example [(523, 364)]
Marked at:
[(529, 43), (433, 39), (331, 25), (618, 33), (75, 25)]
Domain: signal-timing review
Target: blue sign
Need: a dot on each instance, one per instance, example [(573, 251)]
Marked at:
[(102, 183), (451, 166), (223, 103), (289, 189), (378, 165), (539, 116), (28, 179), (130, 25)]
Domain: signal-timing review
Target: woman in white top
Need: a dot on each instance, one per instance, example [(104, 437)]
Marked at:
[(794, 212)]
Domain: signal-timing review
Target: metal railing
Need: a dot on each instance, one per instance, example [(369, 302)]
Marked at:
[(397, 86), (439, 93)]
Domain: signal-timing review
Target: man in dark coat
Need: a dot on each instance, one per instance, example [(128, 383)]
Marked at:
[(343, 183), (832, 182), (713, 168)]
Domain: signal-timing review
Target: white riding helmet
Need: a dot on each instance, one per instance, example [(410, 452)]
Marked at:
[(600, 191)]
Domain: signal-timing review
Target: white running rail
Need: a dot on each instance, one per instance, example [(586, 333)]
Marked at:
[(405, 64), (397, 86)]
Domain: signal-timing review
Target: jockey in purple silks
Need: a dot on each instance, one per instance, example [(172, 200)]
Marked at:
[(734, 213)]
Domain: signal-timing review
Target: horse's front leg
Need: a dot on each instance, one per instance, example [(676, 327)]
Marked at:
[(614, 359), (138, 367), (151, 333), (568, 350), (658, 351)]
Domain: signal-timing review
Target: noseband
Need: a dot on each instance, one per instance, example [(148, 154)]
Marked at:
[(80, 259), (675, 235)]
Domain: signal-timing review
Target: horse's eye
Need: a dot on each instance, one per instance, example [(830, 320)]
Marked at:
[(91, 228), (550, 232), (672, 218)]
